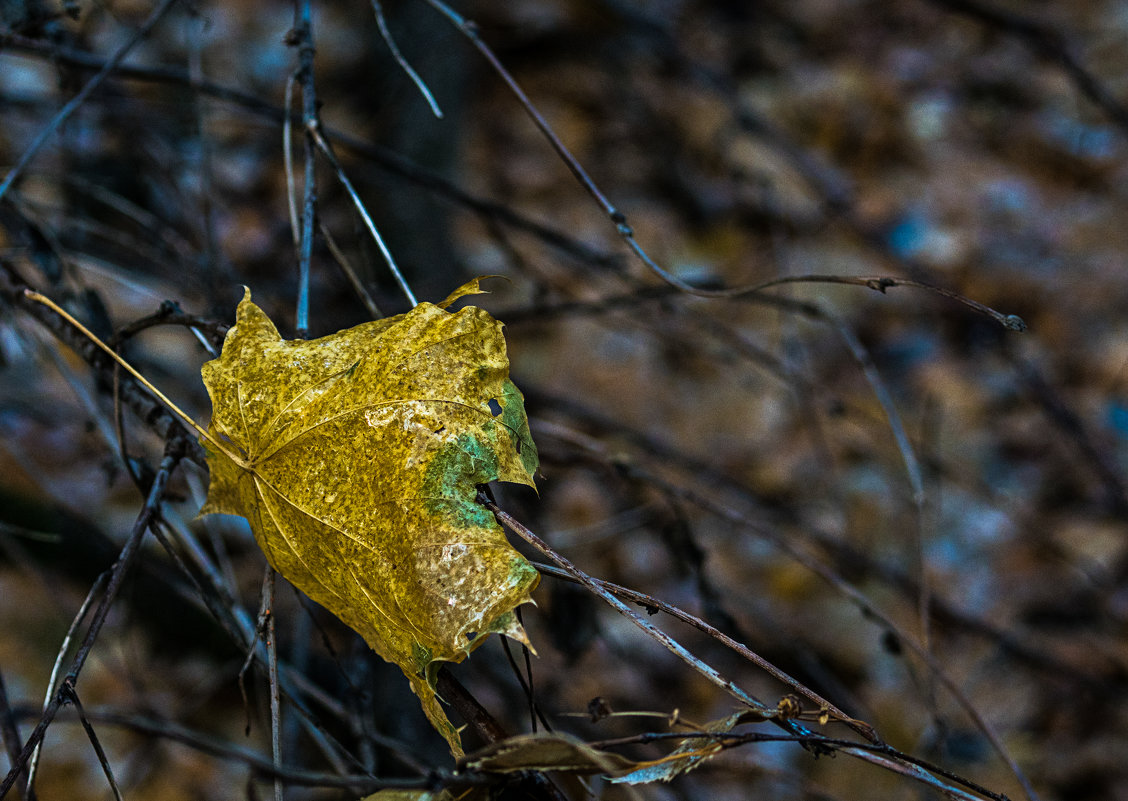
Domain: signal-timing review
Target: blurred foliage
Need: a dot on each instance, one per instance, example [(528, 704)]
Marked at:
[(731, 456)]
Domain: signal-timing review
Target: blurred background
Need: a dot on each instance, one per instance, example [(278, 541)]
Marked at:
[(828, 474)]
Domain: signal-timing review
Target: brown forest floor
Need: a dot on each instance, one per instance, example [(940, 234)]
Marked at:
[(807, 467)]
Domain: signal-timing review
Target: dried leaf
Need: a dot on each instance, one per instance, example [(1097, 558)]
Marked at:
[(412, 795), (356, 456), (687, 756), (564, 753), (549, 752)]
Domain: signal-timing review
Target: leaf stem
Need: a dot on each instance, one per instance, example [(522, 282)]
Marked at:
[(31, 294)]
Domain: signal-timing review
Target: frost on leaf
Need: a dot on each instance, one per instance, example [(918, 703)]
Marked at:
[(355, 458)]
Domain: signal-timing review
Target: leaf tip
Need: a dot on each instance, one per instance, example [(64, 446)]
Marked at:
[(244, 301), (473, 287)]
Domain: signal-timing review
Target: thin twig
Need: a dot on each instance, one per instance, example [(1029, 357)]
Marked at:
[(219, 599), (168, 404), (880, 283), (1066, 419), (868, 754), (485, 725), (829, 575), (174, 452), (650, 602), (252, 650), (288, 164), (382, 22), (107, 770), (272, 667), (243, 632), (10, 733), (350, 272), (816, 565), (525, 679), (470, 30), (263, 766), (206, 184), (832, 546), (147, 408), (912, 469), (617, 217), (302, 628), (75, 102), (388, 160), (119, 431), (315, 132), (831, 185), (57, 667), (209, 333), (1049, 41), (174, 243), (653, 631), (302, 37), (730, 740)]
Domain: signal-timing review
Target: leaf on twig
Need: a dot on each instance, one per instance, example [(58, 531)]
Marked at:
[(564, 753), (687, 756), (414, 795), (356, 456), (547, 752)]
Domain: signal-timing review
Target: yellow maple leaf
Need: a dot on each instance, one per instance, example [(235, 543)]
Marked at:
[(355, 458)]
